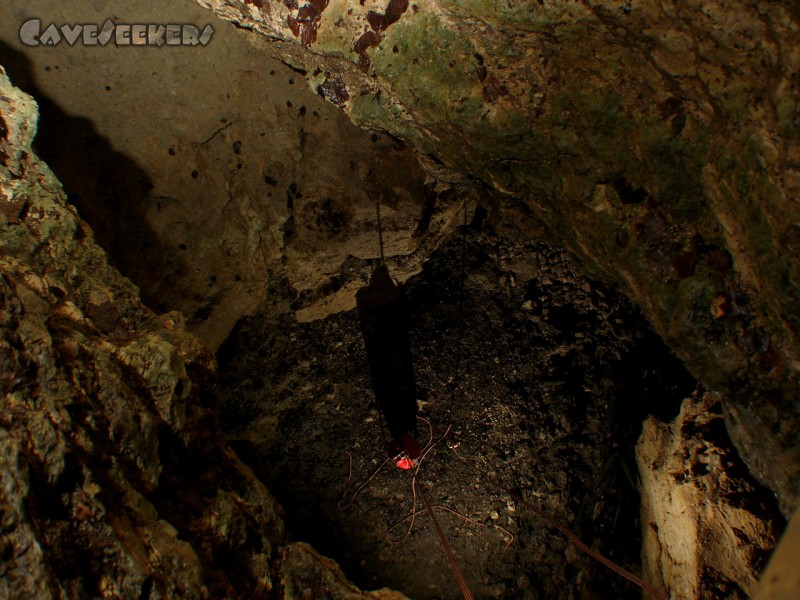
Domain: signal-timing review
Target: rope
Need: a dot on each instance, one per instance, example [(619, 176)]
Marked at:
[(606, 562), (462, 583), (380, 229), (382, 425)]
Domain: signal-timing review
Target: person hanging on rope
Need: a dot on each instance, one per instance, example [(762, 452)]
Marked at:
[(388, 345)]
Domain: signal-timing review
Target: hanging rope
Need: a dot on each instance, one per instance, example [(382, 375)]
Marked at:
[(380, 422), (386, 337), (380, 229), (462, 583)]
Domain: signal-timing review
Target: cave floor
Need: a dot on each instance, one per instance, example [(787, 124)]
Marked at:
[(545, 378)]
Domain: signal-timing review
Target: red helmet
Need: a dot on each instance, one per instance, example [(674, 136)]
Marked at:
[(404, 451)]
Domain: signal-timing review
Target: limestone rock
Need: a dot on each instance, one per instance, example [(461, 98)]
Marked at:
[(308, 575), (656, 141), (114, 479), (706, 531), (781, 579), (108, 445), (208, 173)]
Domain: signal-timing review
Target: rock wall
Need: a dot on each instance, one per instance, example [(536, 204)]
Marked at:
[(781, 579), (656, 141), (114, 479), (206, 173), (707, 531)]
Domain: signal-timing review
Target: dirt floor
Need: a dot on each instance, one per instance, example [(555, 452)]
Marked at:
[(544, 377)]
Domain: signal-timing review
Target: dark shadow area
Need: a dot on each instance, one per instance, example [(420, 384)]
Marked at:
[(386, 338), (108, 189), (544, 377)]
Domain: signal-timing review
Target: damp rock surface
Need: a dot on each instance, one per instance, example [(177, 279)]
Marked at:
[(550, 404), (657, 141), (115, 481)]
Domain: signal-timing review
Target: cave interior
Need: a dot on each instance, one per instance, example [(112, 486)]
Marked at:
[(229, 186)]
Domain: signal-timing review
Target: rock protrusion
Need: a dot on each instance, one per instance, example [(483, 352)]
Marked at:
[(708, 527)]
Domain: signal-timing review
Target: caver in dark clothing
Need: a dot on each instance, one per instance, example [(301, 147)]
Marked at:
[(385, 331)]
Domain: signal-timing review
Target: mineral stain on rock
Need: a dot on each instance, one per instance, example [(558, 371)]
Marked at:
[(382, 21), (334, 89), (367, 40), (305, 23), (378, 22), (493, 89)]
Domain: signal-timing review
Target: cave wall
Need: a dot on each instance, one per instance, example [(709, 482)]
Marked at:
[(656, 141), (115, 481), (209, 172), (706, 529)]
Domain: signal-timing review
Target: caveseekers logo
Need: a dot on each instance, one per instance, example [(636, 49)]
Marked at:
[(122, 34)]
